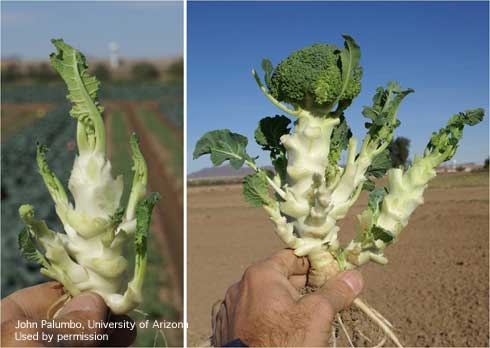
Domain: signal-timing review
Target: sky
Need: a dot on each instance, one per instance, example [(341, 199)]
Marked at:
[(142, 29), (438, 48)]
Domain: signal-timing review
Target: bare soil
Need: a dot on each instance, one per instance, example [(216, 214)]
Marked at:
[(434, 289), (169, 208)]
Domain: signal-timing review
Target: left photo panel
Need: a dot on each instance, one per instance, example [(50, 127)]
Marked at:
[(92, 173)]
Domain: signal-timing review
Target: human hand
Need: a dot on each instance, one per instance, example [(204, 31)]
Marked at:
[(265, 308), (32, 304)]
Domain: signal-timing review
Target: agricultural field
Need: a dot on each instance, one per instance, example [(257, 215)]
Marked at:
[(39, 113), (434, 288)]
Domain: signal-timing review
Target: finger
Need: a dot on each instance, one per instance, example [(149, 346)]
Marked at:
[(223, 328), (287, 263), (10, 334), (84, 308), (231, 295), (122, 336), (25, 303), (298, 281), (341, 290), (217, 323)]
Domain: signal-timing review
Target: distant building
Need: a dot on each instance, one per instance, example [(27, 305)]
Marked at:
[(114, 56), (451, 168)]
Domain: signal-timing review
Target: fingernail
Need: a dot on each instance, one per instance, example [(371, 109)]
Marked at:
[(354, 280), (83, 302)]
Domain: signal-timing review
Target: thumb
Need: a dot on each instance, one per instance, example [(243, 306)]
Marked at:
[(341, 290), (76, 315), (87, 305)]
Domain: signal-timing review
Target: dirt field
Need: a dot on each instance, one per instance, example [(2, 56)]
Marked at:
[(434, 289)]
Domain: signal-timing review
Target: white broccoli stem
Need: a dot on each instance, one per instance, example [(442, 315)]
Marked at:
[(91, 237), (96, 192), (284, 229), (405, 194), (323, 266), (307, 148), (311, 234), (105, 265), (349, 187)]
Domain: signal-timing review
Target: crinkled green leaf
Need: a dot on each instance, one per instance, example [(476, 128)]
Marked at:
[(368, 185), (380, 233), (55, 188), (269, 132), (380, 165), (72, 67), (339, 140), (382, 113), (29, 250), (268, 135), (445, 142), (375, 198), (117, 217), (223, 145), (255, 189), (473, 117), (143, 221)]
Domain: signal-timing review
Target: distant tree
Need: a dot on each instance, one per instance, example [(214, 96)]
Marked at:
[(144, 71), (399, 151), (41, 73), (460, 168), (102, 72), (485, 164), (176, 69), (11, 73)]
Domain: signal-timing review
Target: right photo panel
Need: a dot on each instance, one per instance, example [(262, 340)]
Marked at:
[(337, 174)]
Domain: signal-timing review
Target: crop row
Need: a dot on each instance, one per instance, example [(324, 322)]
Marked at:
[(21, 184), (56, 92)]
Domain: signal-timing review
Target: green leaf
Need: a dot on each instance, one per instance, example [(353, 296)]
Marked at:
[(368, 185), (55, 188), (339, 140), (143, 221), (72, 67), (375, 198), (473, 117), (28, 248), (380, 165), (267, 67), (384, 110), (269, 132), (443, 144), (349, 57), (139, 168), (117, 217), (268, 135), (256, 190), (380, 233), (140, 177), (223, 145)]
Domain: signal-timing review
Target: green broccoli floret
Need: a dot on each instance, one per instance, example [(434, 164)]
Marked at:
[(317, 77), (313, 74)]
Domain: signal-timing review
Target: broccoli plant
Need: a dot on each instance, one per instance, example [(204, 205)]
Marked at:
[(90, 255), (311, 190)]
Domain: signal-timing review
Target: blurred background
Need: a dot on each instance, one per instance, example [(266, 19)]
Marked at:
[(135, 49), (435, 287)]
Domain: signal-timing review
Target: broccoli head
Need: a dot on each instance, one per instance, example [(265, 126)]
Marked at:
[(317, 77)]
